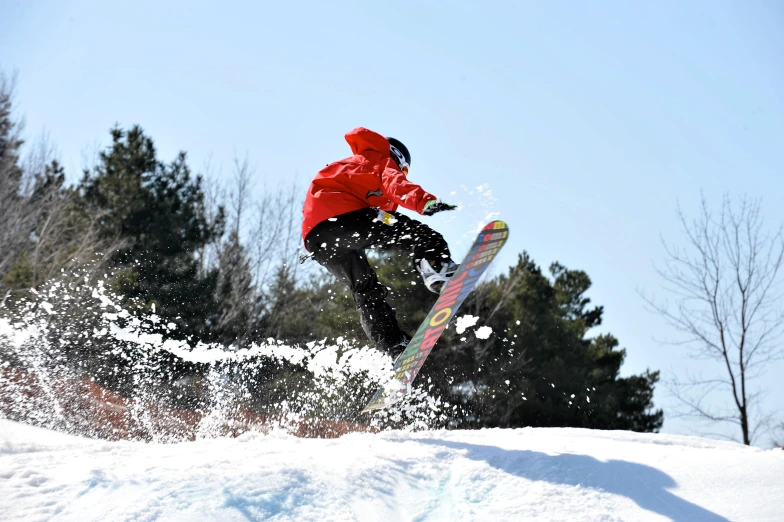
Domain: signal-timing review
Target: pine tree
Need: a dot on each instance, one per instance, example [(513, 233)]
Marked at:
[(158, 212), (541, 369), (236, 295), (14, 222)]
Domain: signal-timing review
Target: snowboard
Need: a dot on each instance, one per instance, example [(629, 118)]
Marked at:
[(487, 245)]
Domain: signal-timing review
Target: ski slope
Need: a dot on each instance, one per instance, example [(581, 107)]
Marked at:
[(523, 474)]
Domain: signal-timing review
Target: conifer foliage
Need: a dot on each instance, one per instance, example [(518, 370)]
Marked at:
[(157, 212)]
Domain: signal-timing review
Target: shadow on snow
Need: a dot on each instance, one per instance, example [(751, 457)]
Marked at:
[(648, 487)]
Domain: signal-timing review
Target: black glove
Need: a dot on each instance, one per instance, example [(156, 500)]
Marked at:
[(433, 206)]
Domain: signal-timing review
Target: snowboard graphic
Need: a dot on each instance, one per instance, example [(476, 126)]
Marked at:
[(482, 252)]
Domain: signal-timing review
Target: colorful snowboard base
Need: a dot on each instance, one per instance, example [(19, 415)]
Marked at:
[(487, 245)]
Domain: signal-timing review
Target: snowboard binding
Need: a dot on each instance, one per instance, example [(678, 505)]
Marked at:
[(436, 279)]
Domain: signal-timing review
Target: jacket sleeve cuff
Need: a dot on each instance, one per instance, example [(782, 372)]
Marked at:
[(425, 199)]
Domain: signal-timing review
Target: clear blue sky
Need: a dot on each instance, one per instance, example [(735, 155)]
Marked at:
[(588, 121)]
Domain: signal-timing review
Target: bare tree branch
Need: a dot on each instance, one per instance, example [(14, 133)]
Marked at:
[(728, 288)]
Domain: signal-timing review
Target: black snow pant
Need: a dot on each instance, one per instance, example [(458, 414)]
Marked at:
[(339, 245)]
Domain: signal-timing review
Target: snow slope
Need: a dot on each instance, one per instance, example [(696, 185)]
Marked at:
[(523, 474)]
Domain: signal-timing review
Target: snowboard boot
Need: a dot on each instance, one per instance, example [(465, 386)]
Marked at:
[(394, 349), (436, 274)]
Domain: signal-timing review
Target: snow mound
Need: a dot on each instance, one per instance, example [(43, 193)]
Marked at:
[(523, 474)]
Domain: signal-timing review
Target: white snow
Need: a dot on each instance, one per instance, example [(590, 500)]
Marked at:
[(523, 474), (465, 321), (483, 332)]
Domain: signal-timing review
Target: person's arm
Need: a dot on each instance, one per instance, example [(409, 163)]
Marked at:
[(403, 192)]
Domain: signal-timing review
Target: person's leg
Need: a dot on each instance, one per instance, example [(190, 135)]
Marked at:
[(427, 248), (351, 267)]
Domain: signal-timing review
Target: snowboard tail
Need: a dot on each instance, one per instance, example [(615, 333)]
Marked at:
[(487, 245)]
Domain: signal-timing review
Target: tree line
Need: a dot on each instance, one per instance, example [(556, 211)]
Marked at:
[(218, 265)]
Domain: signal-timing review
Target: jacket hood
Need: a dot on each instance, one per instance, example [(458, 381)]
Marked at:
[(362, 139)]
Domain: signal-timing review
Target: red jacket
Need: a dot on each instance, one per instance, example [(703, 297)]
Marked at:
[(369, 178)]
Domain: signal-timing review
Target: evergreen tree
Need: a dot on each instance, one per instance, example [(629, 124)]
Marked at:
[(236, 295), (10, 142), (158, 211), (14, 226), (540, 368), (293, 312)]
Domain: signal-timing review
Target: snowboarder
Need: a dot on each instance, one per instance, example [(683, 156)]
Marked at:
[(350, 207)]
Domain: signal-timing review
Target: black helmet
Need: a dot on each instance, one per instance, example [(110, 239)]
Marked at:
[(399, 152)]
